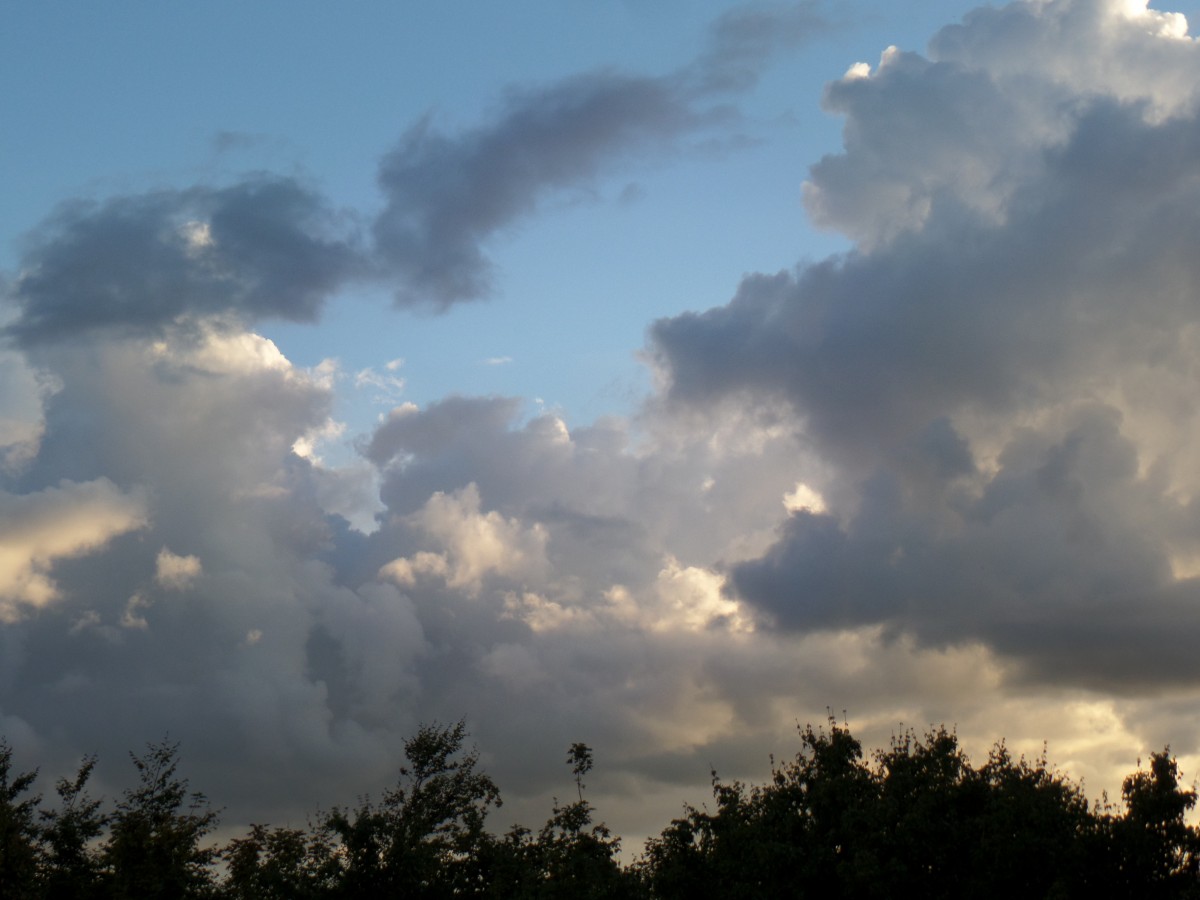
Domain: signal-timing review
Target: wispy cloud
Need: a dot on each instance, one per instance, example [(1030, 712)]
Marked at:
[(447, 194), (388, 387)]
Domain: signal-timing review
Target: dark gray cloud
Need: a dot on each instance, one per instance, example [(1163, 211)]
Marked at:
[(1060, 562), (448, 194), (263, 247)]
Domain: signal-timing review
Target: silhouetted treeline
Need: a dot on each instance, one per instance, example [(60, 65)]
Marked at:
[(915, 820)]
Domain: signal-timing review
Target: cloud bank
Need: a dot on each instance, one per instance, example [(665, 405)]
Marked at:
[(948, 475)]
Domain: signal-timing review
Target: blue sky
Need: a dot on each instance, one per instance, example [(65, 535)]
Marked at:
[(653, 375)]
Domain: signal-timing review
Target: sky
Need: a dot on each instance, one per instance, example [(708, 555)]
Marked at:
[(659, 376)]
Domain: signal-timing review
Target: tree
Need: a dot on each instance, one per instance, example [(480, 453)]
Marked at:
[(71, 867), (1030, 813), (572, 856), (426, 838), (1158, 853), (920, 821), (929, 805), (280, 864), (804, 833), (154, 846), (18, 831)]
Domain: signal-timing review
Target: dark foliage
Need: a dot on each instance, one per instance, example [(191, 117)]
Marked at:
[(18, 832), (71, 868), (916, 819), (424, 838), (921, 821), (571, 856), (154, 842), (281, 864)]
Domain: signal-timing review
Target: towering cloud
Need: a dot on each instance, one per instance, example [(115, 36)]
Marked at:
[(998, 369)]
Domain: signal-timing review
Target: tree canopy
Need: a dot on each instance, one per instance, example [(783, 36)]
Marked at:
[(917, 818)]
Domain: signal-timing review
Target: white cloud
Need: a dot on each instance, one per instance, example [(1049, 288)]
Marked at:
[(803, 498), (388, 387), (60, 522), (132, 617), (478, 544), (175, 572), (198, 236), (306, 445)]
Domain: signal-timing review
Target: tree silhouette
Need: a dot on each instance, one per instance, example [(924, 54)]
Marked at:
[(425, 838), (804, 833), (571, 856), (914, 819), (71, 866), (18, 830), (1157, 852), (280, 864), (154, 846)]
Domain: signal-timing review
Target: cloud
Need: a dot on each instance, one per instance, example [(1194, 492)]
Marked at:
[(949, 475), (269, 246), (446, 195), (22, 392), (386, 386), (183, 585), (176, 572), (476, 545), (994, 373), (266, 246), (745, 38), (39, 528)]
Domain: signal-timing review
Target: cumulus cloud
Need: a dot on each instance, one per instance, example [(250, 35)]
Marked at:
[(948, 475), (176, 572), (476, 544), (39, 528), (995, 370), (182, 584), (266, 246)]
